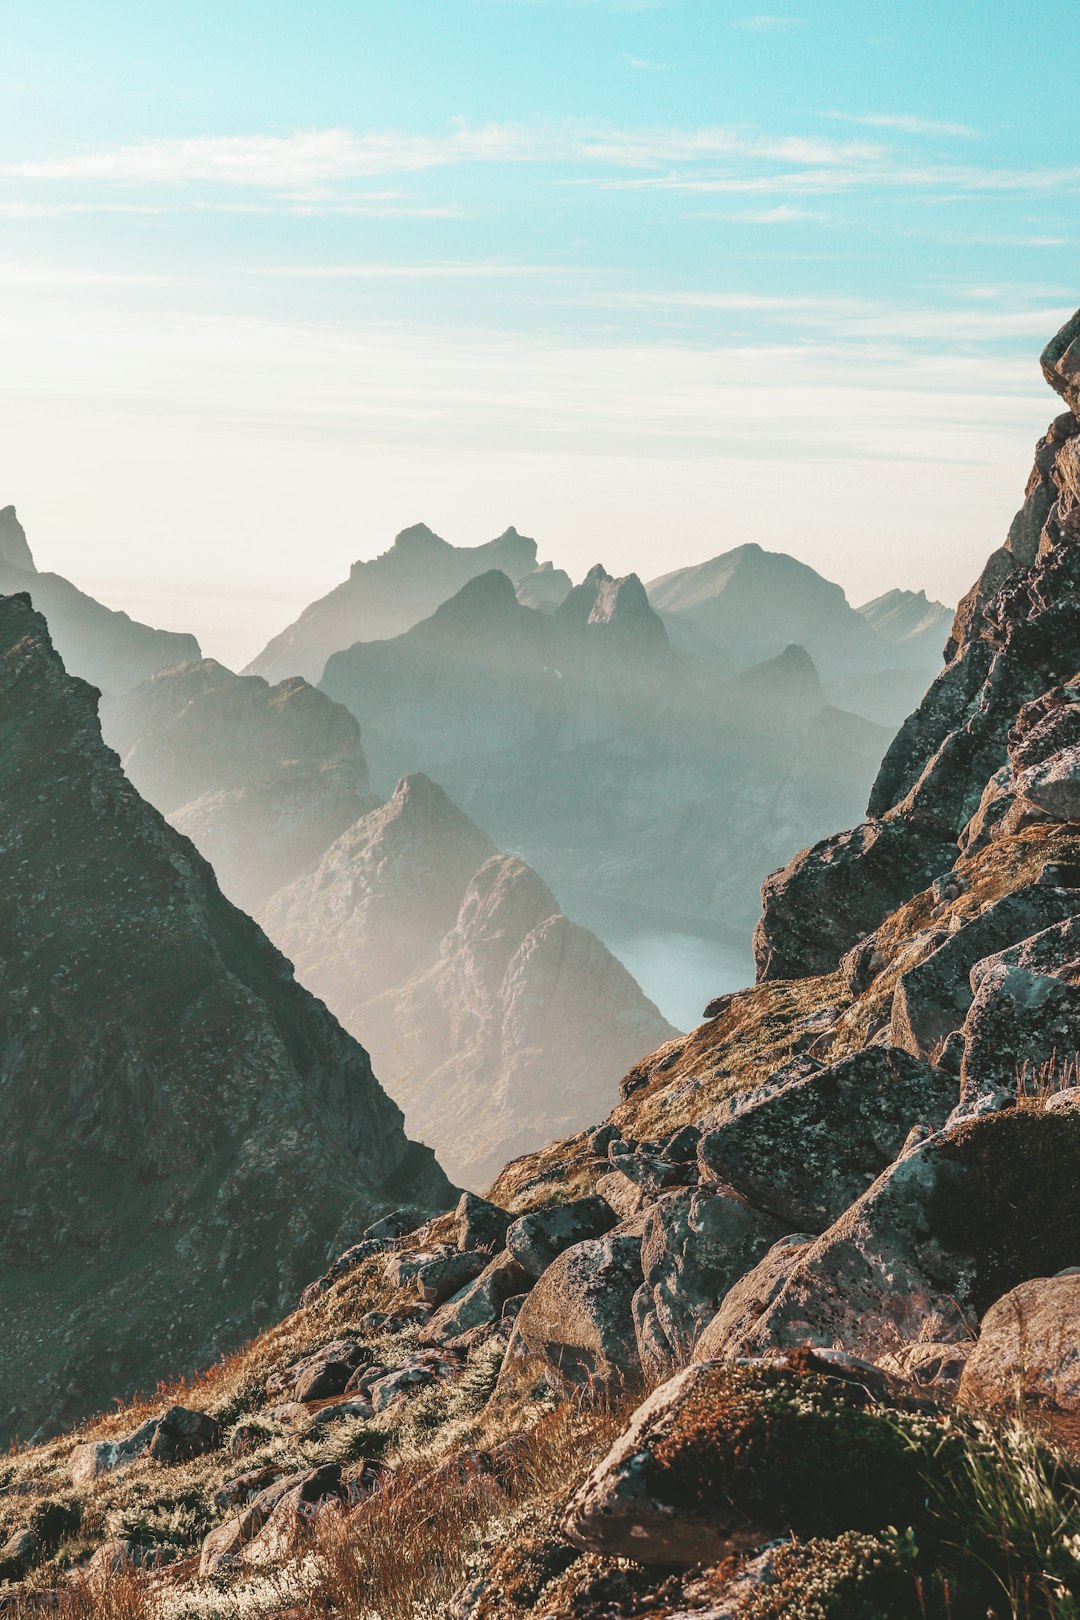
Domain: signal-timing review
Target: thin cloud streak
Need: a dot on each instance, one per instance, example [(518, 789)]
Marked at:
[(905, 123)]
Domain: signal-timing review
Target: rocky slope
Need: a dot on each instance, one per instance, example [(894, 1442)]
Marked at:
[(491, 1019), (261, 778), (532, 720), (795, 1333), (107, 648), (185, 1129), (386, 596)]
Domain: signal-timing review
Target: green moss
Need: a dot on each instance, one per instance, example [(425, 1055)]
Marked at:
[(850, 1578)]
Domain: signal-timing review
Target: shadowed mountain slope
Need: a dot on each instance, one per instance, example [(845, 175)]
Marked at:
[(386, 596), (185, 1130), (106, 648)]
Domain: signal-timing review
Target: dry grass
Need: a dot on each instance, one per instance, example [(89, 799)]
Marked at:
[(1038, 1083)]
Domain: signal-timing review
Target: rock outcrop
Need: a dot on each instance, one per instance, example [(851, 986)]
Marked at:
[(186, 1131)]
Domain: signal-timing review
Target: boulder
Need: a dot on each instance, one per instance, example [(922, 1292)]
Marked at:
[(225, 1544), (1060, 362), (402, 1269), (728, 1332), (695, 1246), (1028, 1349), (481, 1303), (721, 1459), (944, 708), (807, 1148), (625, 1198), (18, 1554), (934, 1366), (577, 1327), (534, 1240), (174, 1437), (479, 1224), (831, 896), (1025, 1013), (932, 998), (320, 1375), (1053, 784), (938, 1237), (341, 1268), (448, 1274)]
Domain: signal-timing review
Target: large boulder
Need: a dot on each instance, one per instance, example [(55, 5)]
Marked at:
[(932, 997), (176, 1436), (317, 1376), (534, 1240), (1028, 1349), (233, 1539), (479, 1224), (939, 1236), (829, 897), (807, 1148), (576, 1328), (696, 1244), (1053, 784), (1060, 362), (1024, 1016), (728, 1332), (720, 1459), (481, 1304)]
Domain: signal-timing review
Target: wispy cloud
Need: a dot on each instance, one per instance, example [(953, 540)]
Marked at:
[(642, 64), (904, 123)]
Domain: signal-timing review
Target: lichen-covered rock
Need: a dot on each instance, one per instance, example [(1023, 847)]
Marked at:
[(577, 1326), (1025, 1012), (831, 896), (939, 1236), (323, 1373), (480, 1304), (479, 1224), (932, 998), (1060, 362), (440, 1278), (174, 1437), (535, 1240), (1028, 1349), (728, 1332), (806, 1148), (695, 1246), (720, 1459), (227, 1543)]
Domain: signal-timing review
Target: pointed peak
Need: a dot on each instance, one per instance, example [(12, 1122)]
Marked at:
[(14, 549), (418, 537), (597, 575)]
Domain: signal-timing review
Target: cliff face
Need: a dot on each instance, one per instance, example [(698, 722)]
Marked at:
[(493, 1020), (261, 778), (107, 648), (185, 1129)]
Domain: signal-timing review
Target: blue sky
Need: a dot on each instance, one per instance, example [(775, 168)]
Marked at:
[(646, 279)]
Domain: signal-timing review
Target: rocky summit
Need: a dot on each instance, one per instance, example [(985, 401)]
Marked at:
[(794, 1334), (186, 1131)]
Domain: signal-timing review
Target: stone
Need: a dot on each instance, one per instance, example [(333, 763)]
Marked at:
[(695, 1246), (1028, 1349), (389, 1227), (1023, 1015), (830, 897), (943, 709), (535, 1240), (334, 1411), (226, 1543), (938, 1237), (17, 1555), (806, 1149), (447, 1275), (576, 1328), (479, 1224), (402, 1269), (728, 1332), (317, 1376), (174, 1437), (933, 997), (342, 1266), (719, 1460), (934, 1366), (1060, 362), (481, 1303), (1053, 785), (625, 1198), (398, 1386)]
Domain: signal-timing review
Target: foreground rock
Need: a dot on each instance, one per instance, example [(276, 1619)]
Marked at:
[(1028, 1349)]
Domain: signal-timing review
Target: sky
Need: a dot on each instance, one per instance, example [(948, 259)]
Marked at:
[(646, 278)]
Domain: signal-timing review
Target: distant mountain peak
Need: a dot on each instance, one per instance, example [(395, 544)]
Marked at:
[(417, 537), (485, 593), (14, 548)]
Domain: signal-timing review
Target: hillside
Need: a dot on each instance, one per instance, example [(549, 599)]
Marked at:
[(186, 1130)]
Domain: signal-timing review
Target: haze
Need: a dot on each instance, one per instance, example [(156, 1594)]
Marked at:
[(646, 279)]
